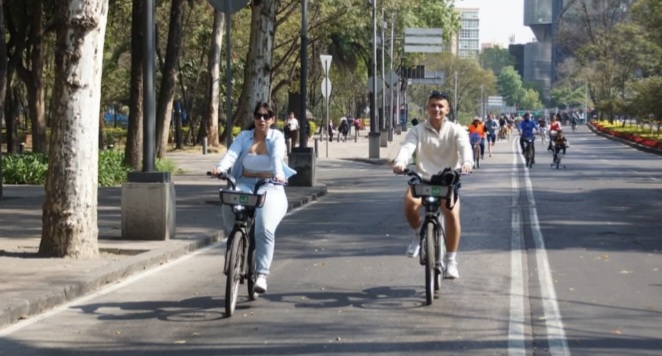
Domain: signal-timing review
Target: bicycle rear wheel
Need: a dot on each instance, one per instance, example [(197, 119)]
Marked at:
[(476, 156), (429, 262), (252, 295), (529, 156), (234, 272)]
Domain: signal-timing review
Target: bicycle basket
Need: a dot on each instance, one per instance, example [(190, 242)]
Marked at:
[(229, 197), (474, 138), (427, 190)]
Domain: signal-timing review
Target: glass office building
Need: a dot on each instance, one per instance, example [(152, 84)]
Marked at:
[(468, 38)]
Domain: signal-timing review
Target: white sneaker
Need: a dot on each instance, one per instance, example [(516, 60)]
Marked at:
[(451, 271), (260, 284), (414, 246)]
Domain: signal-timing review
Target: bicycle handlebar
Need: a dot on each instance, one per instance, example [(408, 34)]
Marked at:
[(413, 173), (233, 182)]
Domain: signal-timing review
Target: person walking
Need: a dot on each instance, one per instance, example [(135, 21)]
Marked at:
[(491, 127), (293, 128)]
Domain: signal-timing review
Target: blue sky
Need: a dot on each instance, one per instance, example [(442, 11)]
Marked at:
[(499, 20)]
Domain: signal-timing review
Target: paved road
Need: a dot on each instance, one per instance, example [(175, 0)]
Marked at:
[(552, 262)]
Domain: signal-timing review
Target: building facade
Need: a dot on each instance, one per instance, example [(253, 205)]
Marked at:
[(467, 43)]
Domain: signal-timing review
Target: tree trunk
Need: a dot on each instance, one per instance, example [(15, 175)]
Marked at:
[(11, 117), (134, 138), (257, 75), (70, 207), (213, 80), (3, 83), (169, 78), (33, 78), (36, 100)]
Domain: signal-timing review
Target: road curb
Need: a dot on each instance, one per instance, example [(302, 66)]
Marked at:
[(624, 141), (40, 301)]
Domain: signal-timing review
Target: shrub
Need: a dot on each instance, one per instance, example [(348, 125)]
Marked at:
[(24, 168), (31, 168), (112, 170)]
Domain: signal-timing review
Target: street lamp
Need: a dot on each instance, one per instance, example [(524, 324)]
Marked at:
[(374, 133)]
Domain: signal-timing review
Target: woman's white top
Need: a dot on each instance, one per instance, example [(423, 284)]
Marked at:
[(258, 163)]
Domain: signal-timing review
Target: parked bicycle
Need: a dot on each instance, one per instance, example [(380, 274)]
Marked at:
[(440, 188), (240, 251)]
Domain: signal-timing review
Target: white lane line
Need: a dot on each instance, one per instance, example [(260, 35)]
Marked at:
[(516, 337), (558, 344), (131, 279)]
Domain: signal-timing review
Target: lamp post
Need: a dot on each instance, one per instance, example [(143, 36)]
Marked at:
[(374, 131), (303, 130), (302, 158)]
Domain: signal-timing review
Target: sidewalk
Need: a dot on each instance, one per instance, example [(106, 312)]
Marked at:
[(30, 285)]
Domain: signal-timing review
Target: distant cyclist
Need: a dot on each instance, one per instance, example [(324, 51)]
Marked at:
[(478, 128), (560, 144), (526, 128), (554, 128)]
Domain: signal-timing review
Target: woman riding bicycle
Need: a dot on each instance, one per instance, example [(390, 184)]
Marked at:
[(478, 128), (438, 143), (255, 154)]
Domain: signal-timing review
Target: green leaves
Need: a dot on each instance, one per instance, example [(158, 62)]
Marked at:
[(25, 168)]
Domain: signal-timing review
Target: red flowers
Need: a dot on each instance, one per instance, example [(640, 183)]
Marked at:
[(645, 141)]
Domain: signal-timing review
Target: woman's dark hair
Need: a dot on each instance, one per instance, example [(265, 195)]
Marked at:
[(266, 106), (258, 106)]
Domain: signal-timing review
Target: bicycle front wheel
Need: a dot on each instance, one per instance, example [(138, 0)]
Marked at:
[(430, 262), (234, 272)]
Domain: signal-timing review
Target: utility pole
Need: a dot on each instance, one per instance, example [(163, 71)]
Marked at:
[(455, 108), (392, 85)]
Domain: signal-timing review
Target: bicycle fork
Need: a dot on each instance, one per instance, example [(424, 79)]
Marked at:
[(432, 217), (228, 250)]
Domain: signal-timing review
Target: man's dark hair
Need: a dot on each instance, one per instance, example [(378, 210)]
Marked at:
[(435, 94)]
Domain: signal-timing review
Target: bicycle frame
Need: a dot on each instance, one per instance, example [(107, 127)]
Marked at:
[(432, 196), (529, 151), (239, 254)]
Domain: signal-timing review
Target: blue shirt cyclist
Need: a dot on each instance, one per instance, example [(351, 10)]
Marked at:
[(526, 128)]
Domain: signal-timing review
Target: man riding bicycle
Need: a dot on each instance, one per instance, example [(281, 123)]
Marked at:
[(526, 128), (438, 143)]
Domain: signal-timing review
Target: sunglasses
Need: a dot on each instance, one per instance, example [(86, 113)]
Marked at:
[(264, 117), (438, 95)]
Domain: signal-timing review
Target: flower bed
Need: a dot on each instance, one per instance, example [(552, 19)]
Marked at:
[(617, 131)]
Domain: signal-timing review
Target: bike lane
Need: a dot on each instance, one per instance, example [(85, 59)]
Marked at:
[(602, 243)]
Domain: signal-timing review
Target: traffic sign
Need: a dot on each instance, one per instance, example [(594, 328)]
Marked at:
[(495, 101), (228, 6), (326, 88), (423, 40), (379, 85)]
